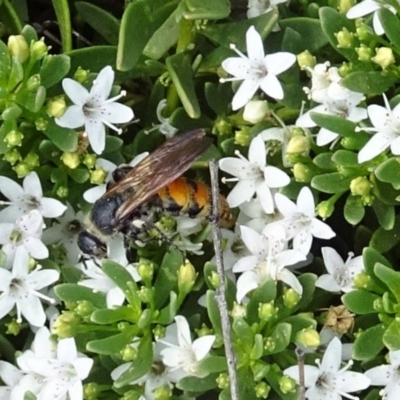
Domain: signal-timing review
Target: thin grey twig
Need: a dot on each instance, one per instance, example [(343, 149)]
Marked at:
[(221, 290), (300, 363)]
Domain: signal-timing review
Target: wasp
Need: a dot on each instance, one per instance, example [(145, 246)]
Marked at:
[(154, 186)]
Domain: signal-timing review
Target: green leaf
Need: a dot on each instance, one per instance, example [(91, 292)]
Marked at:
[(181, 73), (92, 58), (180, 119), (281, 338), (390, 278), (79, 175), (29, 33), (369, 83), (341, 126), (119, 275), (218, 96), (384, 191), (345, 158), (139, 21), (307, 280), (244, 333), (100, 20), (61, 9), (72, 293), (54, 69), (167, 314), (391, 25), (324, 161), (360, 301), (105, 316), (5, 66), (32, 101), (368, 343), (258, 347), (334, 182), (65, 139), (112, 345), (10, 18), (389, 172), (16, 74), (391, 337), (299, 322), (213, 311), (211, 364), (386, 214), (194, 384), (354, 210), (263, 294), (384, 240), (371, 257), (207, 9)]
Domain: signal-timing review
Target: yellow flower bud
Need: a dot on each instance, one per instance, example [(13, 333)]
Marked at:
[(364, 53), (345, 39), (306, 59), (90, 160), (22, 169), (255, 111), (287, 384), (360, 186), (309, 337), (345, 5), (56, 107), (38, 49), (98, 176), (18, 47), (13, 138), (384, 57), (298, 145), (71, 160)]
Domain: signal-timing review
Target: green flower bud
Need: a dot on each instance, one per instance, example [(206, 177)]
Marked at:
[(267, 311), (159, 332), (90, 160), (39, 49), (145, 294), (62, 192), (66, 324), (13, 138), (129, 353), (98, 176), (364, 32), (325, 209), (56, 107), (345, 70), (298, 145), (214, 279), (18, 47), (306, 59), (13, 328), (345, 5), (81, 75), (287, 385), (162, 393), (378, 304), (145, 270), (84, 308), (364, 53), (290, 298), (41, 124), (238, 311), (22, 169), (71, 160), (222, 127), (12, 156), (262, 390), (91, 391), (122, 326), (384, 57), (204, 330), (32, 159), (33, 83), (11, 113), (360, 186), (167, 223), (186, 277), (223, 381), (309, 337), (345, 39), (303, 172), (362, 280), (269, 344), (255, 111), (243, 136)]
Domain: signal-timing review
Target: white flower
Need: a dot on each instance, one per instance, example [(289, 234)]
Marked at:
[(164, 127), (185, 356), (367, 7), (269, 260), (93, 109), (253, 176), (26, 198), (328, 381), (94, 193), (21, 289), (257, 70), (344, 108), (258, 7), (11, 377), (388, 376), (26, 232), (300, 222), (65, 233), (340, 274), (386, 124)]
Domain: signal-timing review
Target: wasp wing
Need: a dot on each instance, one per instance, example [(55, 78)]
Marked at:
[(165, 164)]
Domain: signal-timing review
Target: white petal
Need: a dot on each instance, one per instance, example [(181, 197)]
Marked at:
[(93, 194), (236, 167), (103, 84), (75, 91), (273, 134), (83, 365), (332, 260), (272, 87), (363, 8), (32, 185), (254, 45), (321, 230), (290, 279), (115, 297), (305, 201), (184, 338), (395, 146), (52, 208), (10, 189), (42, 278), (333, 357), (202, 346), (245, 264), (377, 24), (285, 206), (352, 382), (380, 376), (96, 134), (21, 262), (245, 284), (375, 146), (311, 374), (5, 231), (264, 194), (10, 374), (328, 283), (36, 248), (6, 304), (378, 115), (275, 177), (66, 350), (117, 113), (257, 153), (278, 62), (256, 243), (72, 118), (244, 94), (236, 66), (302, 241), (243, 191), (325, 137), (75, 391), (32, 310)]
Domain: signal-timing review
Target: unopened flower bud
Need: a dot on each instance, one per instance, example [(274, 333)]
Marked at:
[(38, 49), (32, 159), (145, 270), (186, 277), (33, 83), (41, 124), (345, 5), (325, 209), (64, 326), (360, 186), (129, 353), (287, 384), (71, 160), (362, 281), (222, 127), (62, 192), (162, 393), (204, 331), (18, 47), (345, 39), (298, 145), (303, 172), (262, 390), (384, 57), (364, 32), (269, 344), (145, 294), (255, 111), (290, 297), (308, 337), (12, 156), (90, 160), (22, 169), (345, 69), (81, 75), (56, 107), (243, 136), (98, 176), (13, 328), (84, 308), (364, 53), (13, 138), (238, 311), (159, 332), (306, 59), (91, 390), (267, 311), (214, 279), (223, 381)]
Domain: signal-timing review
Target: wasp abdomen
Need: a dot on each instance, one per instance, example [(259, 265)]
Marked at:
[(103, 213)]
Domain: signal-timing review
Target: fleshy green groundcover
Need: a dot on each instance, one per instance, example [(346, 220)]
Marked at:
[(298, 103)]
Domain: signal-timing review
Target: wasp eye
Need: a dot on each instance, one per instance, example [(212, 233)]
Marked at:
[(91, 245)]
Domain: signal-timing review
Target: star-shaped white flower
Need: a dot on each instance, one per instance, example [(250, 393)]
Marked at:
[(253, 176), (327, 380), (300, 222), (27, 197), (269, 260), (386, 124), (164, 126), (257, 70), (93, 109), (388, 376), (185, 356), (368, 7), (11, 377), (21, 287), (340, 274), (26, 232)]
